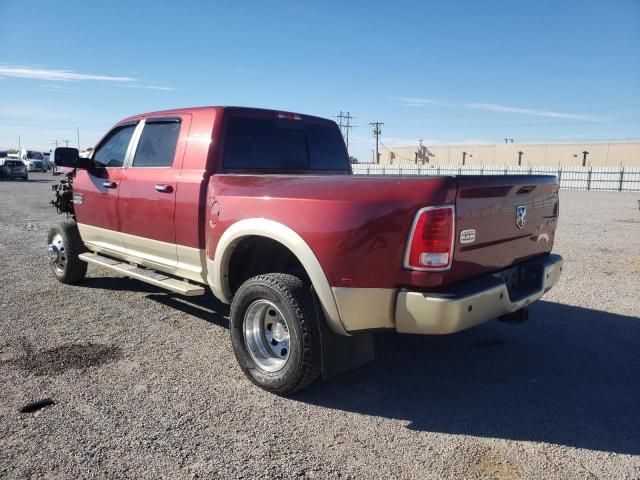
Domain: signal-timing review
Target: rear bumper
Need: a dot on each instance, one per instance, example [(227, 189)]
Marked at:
[(461, 306), (6, 174), (477, 301)]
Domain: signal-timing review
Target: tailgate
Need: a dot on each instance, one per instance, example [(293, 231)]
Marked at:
[(502, 220)]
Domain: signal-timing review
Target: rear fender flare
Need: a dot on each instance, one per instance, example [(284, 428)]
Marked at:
[(218, 267)]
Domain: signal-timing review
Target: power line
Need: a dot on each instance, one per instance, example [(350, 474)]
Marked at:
[(395, 153), (344, 122), (377, 131)]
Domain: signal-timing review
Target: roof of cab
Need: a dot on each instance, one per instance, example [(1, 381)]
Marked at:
[(178, 111)]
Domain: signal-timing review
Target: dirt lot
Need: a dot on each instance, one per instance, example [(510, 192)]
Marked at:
[(145, 384)]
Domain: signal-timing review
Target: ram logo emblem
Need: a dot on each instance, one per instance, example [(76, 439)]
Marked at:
[(468, 236)]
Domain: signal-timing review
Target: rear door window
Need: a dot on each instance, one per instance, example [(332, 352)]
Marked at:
[(256, 143), (157, 144), (112, 151)]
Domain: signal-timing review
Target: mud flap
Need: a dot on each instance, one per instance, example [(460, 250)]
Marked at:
[(340, 352)]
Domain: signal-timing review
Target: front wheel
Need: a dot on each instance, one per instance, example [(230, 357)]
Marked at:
[(64, 246), (274, 333)]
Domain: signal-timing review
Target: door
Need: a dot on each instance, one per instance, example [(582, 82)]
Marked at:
[(95, 191), (146, 202)]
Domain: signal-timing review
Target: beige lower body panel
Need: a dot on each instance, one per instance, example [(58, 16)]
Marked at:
[(178, 260), (366, 308), (433, 314)]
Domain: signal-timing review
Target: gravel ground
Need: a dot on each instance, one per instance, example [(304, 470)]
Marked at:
[(145, 384)]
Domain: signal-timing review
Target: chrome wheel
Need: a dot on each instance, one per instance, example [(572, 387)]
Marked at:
[(266, 335), (57, 254)]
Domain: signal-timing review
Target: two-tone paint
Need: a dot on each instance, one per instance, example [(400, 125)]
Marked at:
[(350, 232)]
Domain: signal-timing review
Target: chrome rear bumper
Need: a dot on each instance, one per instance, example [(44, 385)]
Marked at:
[(477, 301)]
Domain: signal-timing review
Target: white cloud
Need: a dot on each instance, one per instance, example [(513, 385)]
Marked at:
[(527, 111), (149, 87), (52, 87), (494, 107), (416, 102), (57, 75)]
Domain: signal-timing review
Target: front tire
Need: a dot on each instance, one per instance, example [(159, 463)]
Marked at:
[(274, 333), (64, 246)]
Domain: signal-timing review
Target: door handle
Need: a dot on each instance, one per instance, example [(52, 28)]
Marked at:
[(163, 188), (109, 184)]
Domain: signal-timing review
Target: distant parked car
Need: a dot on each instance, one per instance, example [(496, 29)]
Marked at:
[(13, 168), (33, 160)]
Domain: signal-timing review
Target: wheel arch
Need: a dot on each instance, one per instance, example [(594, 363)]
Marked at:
[(218, 267)]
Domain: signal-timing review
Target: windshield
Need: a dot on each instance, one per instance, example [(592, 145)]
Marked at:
[(34, 155)]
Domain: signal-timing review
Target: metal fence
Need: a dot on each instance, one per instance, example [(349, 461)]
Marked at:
[(618, 179)]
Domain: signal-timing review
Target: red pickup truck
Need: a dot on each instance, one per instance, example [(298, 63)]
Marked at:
[(261, 207)]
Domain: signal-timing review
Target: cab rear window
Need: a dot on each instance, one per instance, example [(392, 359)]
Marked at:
[(283, 145)]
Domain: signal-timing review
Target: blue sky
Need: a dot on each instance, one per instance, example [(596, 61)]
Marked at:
[(443, 71)]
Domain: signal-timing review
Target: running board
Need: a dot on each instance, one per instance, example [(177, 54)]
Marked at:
[(146, 275)]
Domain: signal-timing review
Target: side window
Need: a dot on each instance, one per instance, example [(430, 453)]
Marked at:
[(112, 152), (157, 145)]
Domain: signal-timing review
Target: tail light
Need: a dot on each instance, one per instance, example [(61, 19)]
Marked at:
[(430, 246)]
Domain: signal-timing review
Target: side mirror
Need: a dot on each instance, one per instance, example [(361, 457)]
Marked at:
[(70, 157)]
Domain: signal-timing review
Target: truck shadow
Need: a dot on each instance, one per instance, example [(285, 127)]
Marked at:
[(120, 284), (569, 376)]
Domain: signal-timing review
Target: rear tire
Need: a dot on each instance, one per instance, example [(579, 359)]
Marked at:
[(274, 333), (64, 246)]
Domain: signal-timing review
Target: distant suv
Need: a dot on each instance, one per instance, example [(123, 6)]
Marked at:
[(13, 168), (261, 207)]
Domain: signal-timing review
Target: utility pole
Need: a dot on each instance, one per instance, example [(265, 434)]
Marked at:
[(78, 132), (377, 131), (19, 146), (66, 142), (344, 122)]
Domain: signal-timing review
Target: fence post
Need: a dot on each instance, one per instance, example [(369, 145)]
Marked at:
[(438, 172), (589, 179), (621, 179), (559, 177), (368, 167), (530, 169)]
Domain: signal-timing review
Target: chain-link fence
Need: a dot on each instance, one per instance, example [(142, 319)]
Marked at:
[(621, 179)]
